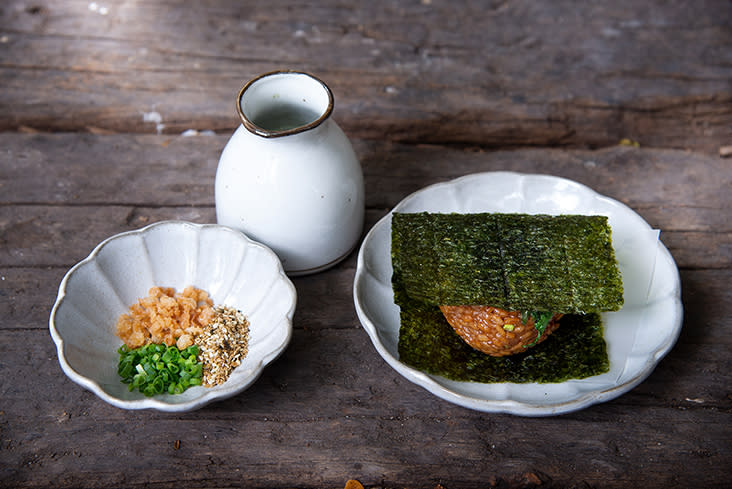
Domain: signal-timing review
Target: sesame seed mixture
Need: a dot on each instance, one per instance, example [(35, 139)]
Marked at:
[(223, 344)]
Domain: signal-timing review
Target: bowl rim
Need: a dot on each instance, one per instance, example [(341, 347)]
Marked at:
[(219, 392)]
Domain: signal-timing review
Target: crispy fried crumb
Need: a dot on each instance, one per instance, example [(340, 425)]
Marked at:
[(165, 316)]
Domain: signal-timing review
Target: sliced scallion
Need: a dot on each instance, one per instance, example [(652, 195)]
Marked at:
[(154, 369)]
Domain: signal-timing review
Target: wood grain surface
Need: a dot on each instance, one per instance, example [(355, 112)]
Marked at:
[(633, 99), (489, 74)]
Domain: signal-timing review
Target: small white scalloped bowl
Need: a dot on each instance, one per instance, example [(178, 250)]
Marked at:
[(233, 269)]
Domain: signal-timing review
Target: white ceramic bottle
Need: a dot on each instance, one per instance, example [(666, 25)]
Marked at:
[(289, 177)]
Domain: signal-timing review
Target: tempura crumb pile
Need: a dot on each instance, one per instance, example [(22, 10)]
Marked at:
[(165, 316)]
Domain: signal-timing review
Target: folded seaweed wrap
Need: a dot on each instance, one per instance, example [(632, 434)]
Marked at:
[(526, 274)]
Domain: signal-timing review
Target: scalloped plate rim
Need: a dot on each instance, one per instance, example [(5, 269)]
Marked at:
[(512, 406)]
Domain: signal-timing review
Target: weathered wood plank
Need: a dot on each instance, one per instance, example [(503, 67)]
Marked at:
[(673, 190), (63, 235), (695, 373), (63, 194), (325, 304), (124, 169), (496, 74), (26, 296), (330, 409)]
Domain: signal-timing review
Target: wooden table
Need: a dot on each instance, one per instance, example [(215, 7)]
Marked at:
[(114, 114)]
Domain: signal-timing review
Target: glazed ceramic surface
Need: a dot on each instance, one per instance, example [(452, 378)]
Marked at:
[(637, 336), (233, 269), (289, 177)]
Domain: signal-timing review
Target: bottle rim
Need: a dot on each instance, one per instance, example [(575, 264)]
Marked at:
[(252, 127)]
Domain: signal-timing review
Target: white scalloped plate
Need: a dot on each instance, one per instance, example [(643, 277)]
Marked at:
[(638, 335), (233, 269)]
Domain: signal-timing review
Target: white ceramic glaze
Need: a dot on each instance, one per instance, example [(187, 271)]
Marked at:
[(235, 270), (637, 336), (299, 190)]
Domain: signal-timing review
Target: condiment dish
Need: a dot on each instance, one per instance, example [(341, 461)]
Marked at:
[(235, 270)]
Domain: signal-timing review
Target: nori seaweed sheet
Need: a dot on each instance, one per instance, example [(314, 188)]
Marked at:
[(427, 342), (514, 261)]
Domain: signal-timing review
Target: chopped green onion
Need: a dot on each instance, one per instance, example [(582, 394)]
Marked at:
[(541, 321), (154, 369)]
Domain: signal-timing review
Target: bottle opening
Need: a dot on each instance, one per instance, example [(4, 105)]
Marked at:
[(284, 118), (283, 103)]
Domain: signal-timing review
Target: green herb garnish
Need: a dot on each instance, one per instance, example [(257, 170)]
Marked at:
[(154, 369), (541, 321)]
